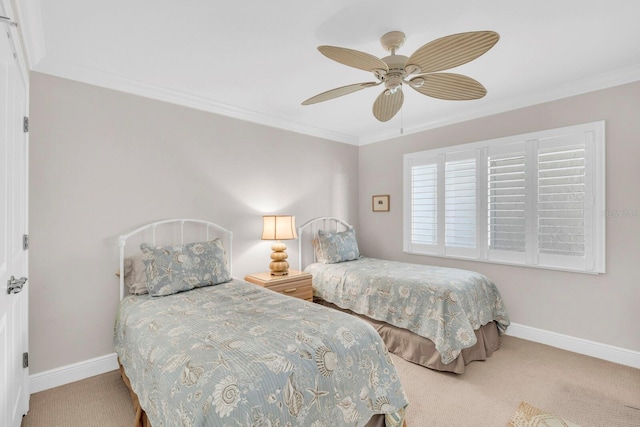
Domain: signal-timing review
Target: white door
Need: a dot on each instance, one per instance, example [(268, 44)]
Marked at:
[(14, 390)]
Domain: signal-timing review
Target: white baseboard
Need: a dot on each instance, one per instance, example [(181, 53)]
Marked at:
[(100, 365), (71, 373), (576, 345)]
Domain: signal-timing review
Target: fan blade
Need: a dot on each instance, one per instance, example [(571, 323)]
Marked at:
[(451, 51), (353, 58), (388, 104), (340, 91), (455, 87)]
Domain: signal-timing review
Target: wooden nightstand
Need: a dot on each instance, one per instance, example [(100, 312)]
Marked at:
[(295, 284)]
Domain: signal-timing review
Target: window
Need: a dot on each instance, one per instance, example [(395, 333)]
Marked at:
[(534, 199)]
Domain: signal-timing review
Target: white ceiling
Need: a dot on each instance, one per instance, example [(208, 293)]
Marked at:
[(258, 60)]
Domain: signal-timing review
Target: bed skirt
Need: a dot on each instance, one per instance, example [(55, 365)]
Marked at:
[(141, 419), (422, 351)]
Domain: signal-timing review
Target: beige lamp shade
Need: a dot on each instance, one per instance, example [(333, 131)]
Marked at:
[(279, 227)]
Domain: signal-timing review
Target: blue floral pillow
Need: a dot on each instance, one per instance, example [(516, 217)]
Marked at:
[(337, 247), (177, 268)]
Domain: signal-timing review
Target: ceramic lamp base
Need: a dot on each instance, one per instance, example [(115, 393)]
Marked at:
[(278, 265)]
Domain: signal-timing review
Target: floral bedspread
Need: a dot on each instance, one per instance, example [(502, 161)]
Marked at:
[(236, 354), (443, 304)]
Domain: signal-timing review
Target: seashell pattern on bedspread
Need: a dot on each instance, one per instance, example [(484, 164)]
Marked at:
[(237, 354), (443, 304)]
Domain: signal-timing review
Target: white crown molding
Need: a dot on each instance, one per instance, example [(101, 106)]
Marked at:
[(107, 363), (111, 81), (100, 78)]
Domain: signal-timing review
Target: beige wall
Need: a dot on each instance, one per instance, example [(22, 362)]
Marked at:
[(603, 308), (102, 162)]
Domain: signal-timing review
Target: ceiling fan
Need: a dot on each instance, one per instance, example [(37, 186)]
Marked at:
[(420, 71)]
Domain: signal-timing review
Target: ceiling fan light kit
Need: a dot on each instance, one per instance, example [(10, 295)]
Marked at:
[(419, 71)]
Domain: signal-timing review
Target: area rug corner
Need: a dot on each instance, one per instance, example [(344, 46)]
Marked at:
[(528, 415)]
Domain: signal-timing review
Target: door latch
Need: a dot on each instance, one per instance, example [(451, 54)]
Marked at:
[(14, 285)]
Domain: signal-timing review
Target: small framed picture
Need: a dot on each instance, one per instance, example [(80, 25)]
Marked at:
[(380, 203)]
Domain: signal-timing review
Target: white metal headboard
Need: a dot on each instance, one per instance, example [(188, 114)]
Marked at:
[(174, 231), (309, 230)]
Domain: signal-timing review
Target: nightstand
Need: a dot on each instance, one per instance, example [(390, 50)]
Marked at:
[(296, 284)]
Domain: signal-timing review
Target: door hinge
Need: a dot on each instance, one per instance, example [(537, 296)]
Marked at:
[(25, 124), (25, 360), (8, 21), (25, 242)]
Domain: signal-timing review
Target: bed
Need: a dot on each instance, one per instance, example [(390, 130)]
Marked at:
[(198, 347), (440, 318)]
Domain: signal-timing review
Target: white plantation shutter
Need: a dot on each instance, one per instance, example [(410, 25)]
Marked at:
[(460, 203), (564, 188), (561, 201), (423, 206), (443, 204), (507, 203), (534, 199)]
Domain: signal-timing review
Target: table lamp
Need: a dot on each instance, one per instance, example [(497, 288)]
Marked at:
[(279, 227)]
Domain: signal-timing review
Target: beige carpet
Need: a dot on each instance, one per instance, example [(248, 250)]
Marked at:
[(587, 391), (100, 401)]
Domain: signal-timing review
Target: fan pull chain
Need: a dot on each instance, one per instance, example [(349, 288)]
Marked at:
[(401, 123)]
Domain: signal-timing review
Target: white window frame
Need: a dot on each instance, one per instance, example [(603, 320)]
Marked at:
[(592, 135)]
